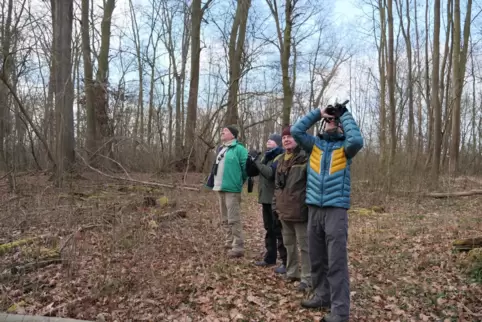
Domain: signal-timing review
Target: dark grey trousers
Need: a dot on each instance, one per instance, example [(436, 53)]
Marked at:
[(327, 239)]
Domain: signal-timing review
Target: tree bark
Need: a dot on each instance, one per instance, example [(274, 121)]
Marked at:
[(64, 89), (391, 86), (459, 57), (196, 17), (235, 55), (435, 101)]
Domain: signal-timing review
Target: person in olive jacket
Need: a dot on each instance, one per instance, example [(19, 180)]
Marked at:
[(289, 202), (265, 167)]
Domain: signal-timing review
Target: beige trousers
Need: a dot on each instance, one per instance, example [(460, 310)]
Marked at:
[(230, 206), (296, 234)]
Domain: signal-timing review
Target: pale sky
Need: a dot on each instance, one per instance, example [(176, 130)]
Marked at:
[(344, 15)]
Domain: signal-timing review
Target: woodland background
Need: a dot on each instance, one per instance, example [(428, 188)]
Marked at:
[(150, 83)]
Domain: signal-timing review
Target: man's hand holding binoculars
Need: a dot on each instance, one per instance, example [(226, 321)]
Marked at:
[(334, 111)]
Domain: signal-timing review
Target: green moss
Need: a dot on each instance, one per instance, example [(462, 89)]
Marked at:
[(5, 248)]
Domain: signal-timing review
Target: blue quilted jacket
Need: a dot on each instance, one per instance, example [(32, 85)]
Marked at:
[(330, 159)]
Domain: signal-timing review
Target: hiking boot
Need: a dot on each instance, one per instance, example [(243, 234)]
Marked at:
[(334, 318), (280, 269), (263, 264), (303, 287), (235, 253), (315, 303)]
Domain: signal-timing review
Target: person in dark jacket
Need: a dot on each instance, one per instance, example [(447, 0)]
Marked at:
[(265, 166), (289, 203), (328, 199)]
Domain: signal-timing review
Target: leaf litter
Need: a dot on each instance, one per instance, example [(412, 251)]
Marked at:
[(132, 266)]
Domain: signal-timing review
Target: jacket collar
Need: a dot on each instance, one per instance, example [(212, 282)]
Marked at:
[(230, 143), (332, 136)]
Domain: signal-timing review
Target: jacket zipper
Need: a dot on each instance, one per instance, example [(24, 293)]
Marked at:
[(329, 146)]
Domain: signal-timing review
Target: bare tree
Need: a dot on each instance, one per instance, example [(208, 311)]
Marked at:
[(235, 55), (435, 100), (197, 13), (168, 18), (98, 126), (64, 89), (459, 58)]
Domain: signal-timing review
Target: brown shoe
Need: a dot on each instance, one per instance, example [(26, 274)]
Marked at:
[(235, 253)]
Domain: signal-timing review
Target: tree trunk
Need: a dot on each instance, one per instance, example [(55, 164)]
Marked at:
[(6, 70), (64, 89), (391, 86), (285, 63), (92, 136), (382, 71), (236, 47), (459, 57), (435, 101), (196, 17), (139, 123), (101, 85)]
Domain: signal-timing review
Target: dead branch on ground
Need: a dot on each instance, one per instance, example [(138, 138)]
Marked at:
[(454, 194), (467, 244), (147, 183)]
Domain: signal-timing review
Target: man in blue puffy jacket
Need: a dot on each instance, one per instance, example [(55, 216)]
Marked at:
[(328, 199)]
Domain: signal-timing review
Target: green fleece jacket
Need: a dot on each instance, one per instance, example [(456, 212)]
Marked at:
[(231, 169)]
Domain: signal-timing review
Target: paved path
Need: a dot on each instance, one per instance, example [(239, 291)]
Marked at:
[(4, 317)]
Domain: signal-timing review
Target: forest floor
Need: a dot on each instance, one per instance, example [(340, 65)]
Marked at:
[(100, 249)]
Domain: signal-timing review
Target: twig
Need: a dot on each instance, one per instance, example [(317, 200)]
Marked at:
[(79, 230), (13, 199), (27, 117), (472, 313), (6, 175), (187, 166), (147, 183), (116, 162), (172, 215)]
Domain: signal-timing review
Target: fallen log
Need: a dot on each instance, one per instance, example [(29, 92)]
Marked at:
[(467, 244), (29, 267), (454, 194), (5, 248)]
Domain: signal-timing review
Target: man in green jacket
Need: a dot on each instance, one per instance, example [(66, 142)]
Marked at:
[(227, 177)]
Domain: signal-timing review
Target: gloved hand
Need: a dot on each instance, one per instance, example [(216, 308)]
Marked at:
[(336, 111), (253, 154)]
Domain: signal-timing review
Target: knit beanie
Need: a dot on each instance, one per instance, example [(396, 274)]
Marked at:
[(276, 138), (234, 130), (286, 130)]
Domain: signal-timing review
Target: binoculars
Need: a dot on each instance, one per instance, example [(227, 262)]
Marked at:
[(337, 110)]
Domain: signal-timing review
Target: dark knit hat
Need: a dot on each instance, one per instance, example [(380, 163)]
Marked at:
[(276, 138), (286, 130), (233, 129)]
